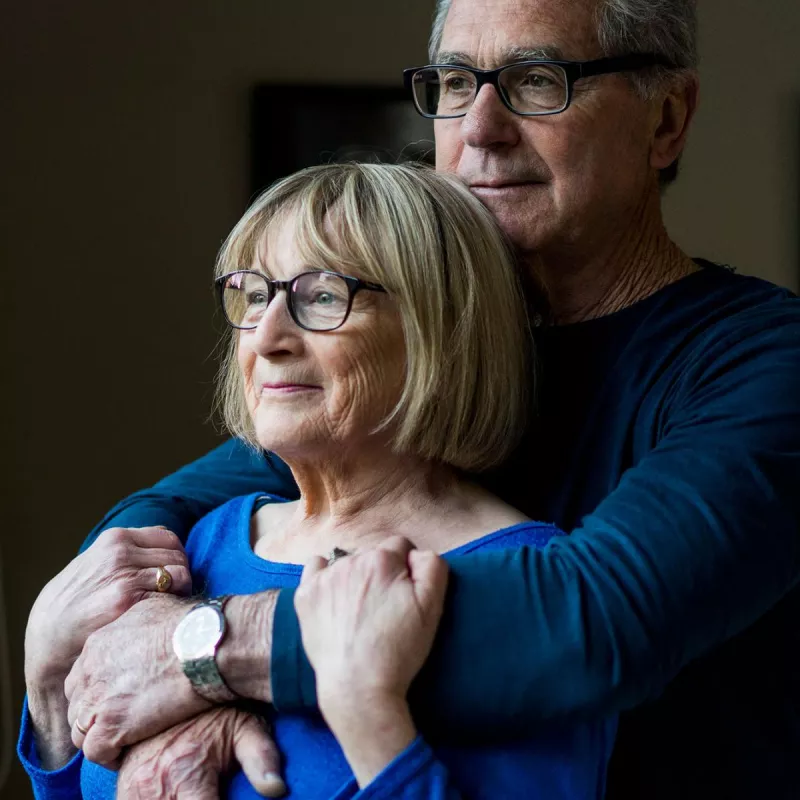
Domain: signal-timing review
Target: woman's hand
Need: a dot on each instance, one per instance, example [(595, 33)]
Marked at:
[(368, 623), (94, 589)]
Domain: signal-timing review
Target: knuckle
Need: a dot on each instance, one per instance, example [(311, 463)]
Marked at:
[(382, 560), (181, 576), (113, 537)]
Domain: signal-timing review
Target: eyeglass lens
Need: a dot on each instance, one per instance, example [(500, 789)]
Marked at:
[(527, 88), (319, 300)]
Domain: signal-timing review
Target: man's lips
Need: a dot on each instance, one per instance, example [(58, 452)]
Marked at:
[(499, 185)]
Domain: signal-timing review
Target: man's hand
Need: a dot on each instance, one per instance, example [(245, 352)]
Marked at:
[(185, 762), (127, 684), (94, 589)]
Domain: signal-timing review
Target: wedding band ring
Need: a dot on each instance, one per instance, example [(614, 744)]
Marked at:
[(336, 554), (163, 580), (80, 727)]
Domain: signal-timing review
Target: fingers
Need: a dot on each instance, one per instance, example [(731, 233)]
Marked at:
[(154, 557), (81, 725), (312, 567), (399, 545), (155, 537), (146, 579), (258, 756), (429, 574)]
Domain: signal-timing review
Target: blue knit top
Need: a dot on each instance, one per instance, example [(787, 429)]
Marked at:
[(556, 761)]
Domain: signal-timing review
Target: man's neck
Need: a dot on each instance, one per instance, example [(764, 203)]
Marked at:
[(632, 265)]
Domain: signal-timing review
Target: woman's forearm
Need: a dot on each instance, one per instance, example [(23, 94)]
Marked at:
[(372, 731), (48, 710)]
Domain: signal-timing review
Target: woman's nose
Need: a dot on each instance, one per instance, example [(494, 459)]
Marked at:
[(276, 331)]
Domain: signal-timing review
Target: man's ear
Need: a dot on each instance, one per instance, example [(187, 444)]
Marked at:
[(677, 110)]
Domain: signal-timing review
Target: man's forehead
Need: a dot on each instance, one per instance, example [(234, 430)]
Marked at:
[(493, 32)]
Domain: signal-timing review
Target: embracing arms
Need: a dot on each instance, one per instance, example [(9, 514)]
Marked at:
[(603, 619)]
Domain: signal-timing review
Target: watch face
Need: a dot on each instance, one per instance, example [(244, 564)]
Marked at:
[(198, 633)]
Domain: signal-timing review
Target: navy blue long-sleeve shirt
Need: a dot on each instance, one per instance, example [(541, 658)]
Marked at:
[(667, 441)]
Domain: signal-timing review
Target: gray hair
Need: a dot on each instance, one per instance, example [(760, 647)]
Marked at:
[(665, 27)]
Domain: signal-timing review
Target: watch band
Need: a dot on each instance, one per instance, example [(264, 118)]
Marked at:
[(203, 673)]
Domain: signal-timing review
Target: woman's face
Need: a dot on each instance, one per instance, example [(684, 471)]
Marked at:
[(308, 392)]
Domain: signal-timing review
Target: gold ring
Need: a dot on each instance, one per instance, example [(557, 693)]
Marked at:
[(80, 727), (163, 579)]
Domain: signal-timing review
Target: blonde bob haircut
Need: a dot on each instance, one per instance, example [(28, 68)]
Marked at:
[(442, 258)]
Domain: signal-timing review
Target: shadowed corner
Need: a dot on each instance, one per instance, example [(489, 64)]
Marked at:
[(6, 726), (796, 195)]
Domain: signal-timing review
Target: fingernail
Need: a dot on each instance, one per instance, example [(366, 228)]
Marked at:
[(274, 785)]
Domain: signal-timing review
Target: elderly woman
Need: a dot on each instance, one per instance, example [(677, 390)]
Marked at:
[(379, 349)]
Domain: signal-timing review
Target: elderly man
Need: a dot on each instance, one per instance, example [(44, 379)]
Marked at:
[(667, 441)]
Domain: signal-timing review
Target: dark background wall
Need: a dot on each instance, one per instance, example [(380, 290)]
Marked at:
[(123, 163)]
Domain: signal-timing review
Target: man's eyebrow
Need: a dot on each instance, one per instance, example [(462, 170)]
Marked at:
[(510, 56), (546, 53), (453, 57)]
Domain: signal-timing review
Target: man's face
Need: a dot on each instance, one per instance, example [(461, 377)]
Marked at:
[(560, 183)]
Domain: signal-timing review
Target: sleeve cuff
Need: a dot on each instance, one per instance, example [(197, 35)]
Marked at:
[(294, 686), (388, 784), (59, 784)]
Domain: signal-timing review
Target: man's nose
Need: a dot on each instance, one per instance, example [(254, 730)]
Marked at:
[(488, 122)]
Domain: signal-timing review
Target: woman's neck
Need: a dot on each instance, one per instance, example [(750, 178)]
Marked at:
[(357, 499), (373, 490)]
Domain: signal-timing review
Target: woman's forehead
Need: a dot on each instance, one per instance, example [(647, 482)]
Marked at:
[(290, 237)]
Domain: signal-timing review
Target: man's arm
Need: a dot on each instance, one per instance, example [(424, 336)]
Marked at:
[(696, 543), (179, 500)]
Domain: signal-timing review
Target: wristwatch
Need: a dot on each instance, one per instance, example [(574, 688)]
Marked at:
[(196, 641)]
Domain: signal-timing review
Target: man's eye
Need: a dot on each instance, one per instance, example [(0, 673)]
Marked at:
[(537, 80), (456, 82)]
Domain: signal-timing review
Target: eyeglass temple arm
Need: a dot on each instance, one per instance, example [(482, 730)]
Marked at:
[(603, 66)]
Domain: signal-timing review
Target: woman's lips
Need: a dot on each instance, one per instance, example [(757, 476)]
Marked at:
[(288, 388)]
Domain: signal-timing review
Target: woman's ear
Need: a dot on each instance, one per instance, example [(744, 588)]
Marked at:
[(676, 112)]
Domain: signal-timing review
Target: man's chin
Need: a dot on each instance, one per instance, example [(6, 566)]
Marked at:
[(525, 227)]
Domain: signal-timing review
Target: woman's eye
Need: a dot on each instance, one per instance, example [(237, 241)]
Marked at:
[(324, 299), (257, 298)]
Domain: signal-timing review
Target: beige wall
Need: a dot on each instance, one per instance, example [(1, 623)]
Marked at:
[(739, 198), (124, 141)]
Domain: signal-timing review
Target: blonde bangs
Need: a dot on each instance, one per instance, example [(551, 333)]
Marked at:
[(442, 258)]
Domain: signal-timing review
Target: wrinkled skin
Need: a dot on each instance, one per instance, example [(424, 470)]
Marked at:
[(92, 591), (121, 705), (187, 761), (96, 588)]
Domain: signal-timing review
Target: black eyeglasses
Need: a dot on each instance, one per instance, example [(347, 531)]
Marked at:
[(317, 301), (528, 88)]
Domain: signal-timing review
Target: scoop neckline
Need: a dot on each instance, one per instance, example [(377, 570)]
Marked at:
[(287, 568)]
